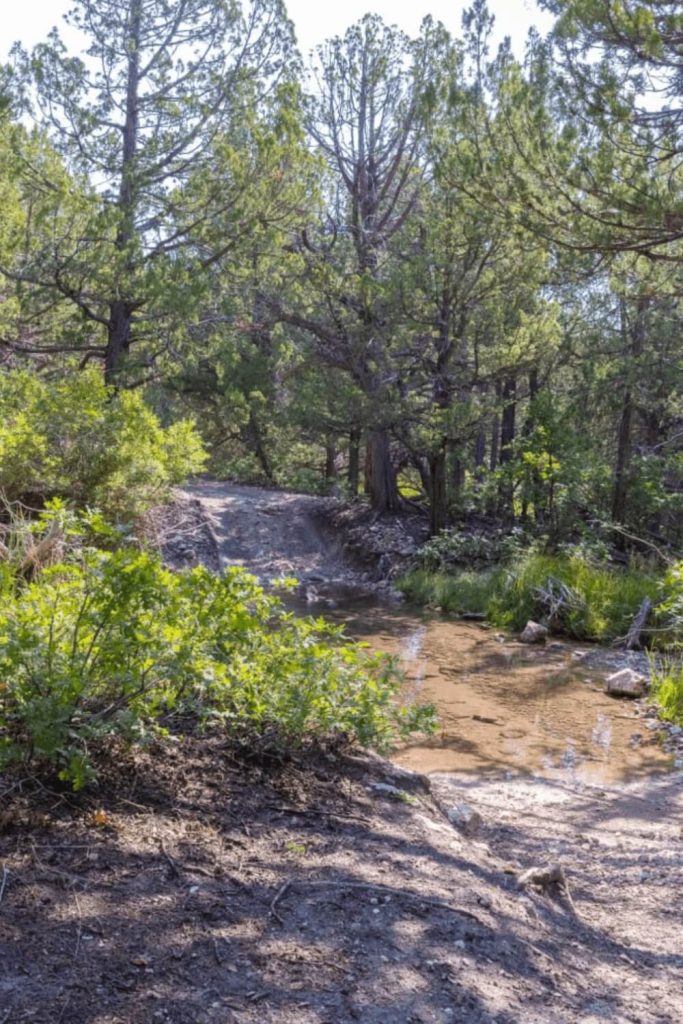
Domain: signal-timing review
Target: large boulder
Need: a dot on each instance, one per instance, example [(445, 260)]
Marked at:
[(627, 683), (534, 633)]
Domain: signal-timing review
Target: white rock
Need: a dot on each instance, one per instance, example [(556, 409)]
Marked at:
[(626, 683), (465, 818), (534, 633)]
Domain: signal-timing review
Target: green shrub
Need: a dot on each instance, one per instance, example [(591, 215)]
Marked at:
[(114, 644), (453, 548), (77, 438)]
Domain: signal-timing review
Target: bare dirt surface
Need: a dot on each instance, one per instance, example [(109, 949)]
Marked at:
[(273, 534), (205, 884), (333, 547)]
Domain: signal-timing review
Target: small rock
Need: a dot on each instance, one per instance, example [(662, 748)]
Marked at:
[(626, 683), (387, 790), (534, 633), (466, 819)]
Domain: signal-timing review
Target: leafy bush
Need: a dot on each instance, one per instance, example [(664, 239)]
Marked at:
[(77, 438), (115, 644)]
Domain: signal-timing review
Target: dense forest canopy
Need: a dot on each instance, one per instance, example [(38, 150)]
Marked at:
[(411, 267)]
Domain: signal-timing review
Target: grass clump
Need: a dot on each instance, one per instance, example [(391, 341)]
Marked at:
[(666, 675), (467, 592), (571, 595), (599, 601)]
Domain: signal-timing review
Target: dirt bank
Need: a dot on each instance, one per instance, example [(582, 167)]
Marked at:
[(326, 543), (203, 886)]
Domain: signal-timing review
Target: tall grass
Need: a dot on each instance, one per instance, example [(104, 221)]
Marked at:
[(465, 592), (602, 600), (667, 686)]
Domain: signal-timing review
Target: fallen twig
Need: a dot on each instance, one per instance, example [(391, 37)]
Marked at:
[(278, 896), (5, 876), (172, 863), (79, 930), (372, 887)]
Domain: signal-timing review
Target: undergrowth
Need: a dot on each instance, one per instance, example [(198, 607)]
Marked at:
[(78, 439), (666, 675), (110, 643), (599, 602)]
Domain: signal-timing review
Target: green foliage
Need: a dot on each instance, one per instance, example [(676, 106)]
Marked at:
[(452, 547), (599, 602), (461, 593), (114, 644), (77, 438), (667, 686)]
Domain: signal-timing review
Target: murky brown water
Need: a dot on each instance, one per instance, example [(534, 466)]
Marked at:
[(507, 706)]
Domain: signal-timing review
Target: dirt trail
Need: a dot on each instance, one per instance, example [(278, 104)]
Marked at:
[(275, 534)]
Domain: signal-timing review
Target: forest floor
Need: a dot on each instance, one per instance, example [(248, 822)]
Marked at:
[(206, 885)]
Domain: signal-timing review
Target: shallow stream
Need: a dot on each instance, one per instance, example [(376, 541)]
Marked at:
[(506, 706)]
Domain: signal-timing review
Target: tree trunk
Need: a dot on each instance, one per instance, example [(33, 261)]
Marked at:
[(532, 480), (634, 338), (118, 337), (480, 451), (495, 438), (457, 474), (121, 310), (507, 440), (623, 460), (507, 428), (438, 492), (353, 475), (256, 442), (379, 474), (330, 461)]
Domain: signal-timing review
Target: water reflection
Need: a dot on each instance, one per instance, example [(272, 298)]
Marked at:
[(504, 705)]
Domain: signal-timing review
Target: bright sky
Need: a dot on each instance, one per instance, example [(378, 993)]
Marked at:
[(315, 20)]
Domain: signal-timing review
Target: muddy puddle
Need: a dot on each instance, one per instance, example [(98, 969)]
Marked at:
[(505, 706)]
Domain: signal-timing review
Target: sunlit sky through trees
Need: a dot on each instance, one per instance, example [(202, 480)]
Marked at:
[(30, 21)]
